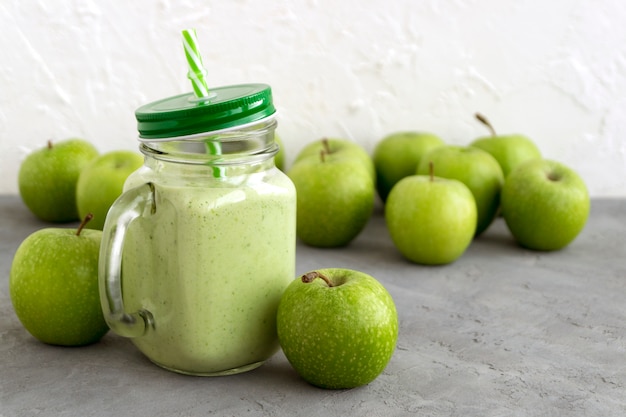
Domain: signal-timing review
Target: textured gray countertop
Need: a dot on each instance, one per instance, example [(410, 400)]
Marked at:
[(503, 331)]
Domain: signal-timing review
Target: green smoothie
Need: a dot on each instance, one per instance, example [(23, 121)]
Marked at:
[(210, 265)]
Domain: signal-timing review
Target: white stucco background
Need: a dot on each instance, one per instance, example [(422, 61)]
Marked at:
[(360, 69)]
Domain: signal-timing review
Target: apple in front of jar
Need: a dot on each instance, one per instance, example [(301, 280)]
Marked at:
[(53, 284), (545, 204), (337, 327), (101, 182), (47, 179)]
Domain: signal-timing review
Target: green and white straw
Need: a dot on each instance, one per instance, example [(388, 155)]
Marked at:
[(197, 74)]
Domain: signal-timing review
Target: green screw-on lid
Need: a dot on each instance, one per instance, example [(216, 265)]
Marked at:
[(185, 114)]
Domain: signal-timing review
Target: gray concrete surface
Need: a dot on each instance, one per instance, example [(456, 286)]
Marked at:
[(501, 332)]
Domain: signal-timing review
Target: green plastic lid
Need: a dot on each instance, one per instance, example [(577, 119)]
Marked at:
[(185, 114)]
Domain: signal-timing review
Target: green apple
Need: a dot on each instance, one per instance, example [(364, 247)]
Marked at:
[(101, 182), (53, 285), (431, 220), (337, 327), (279, 158), (47, 179), (475, 168), (545, 204), (397, 156), (335, 198), (509, 150), (342, 147)]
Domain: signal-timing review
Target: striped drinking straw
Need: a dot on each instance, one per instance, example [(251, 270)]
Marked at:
[(197, 74)]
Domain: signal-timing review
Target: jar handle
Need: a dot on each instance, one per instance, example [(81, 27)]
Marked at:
[(129, 206)]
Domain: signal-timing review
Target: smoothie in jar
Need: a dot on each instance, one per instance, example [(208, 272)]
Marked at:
[(215, 273), (198, 249)]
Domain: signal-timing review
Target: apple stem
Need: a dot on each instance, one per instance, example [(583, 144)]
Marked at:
[(49, 143), (310, 276), (431, 170), (86, 220), (553, 176), (482, 119), (326, 145)]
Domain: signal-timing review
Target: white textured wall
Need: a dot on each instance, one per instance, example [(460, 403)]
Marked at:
[(555, 70)]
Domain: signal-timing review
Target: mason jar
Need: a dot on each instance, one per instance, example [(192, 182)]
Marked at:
[(198, 249)]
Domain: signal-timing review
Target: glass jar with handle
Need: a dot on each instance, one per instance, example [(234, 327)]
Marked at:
[(198, 249)]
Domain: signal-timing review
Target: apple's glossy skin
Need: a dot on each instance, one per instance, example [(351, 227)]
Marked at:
[(101, 183), (545, 204), (431, 220), (338, 337), (54, 286), (397, 156), (335, 199), (508, 150), (47, 179), (475, 168), (339, 147)]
